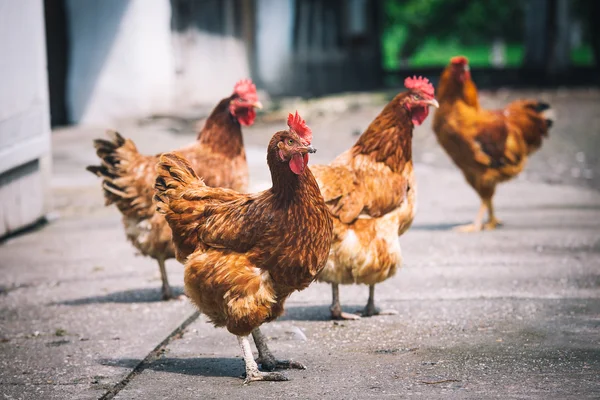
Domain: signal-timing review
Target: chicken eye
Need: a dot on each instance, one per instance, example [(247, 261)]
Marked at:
[(290, 141), (417, 97)]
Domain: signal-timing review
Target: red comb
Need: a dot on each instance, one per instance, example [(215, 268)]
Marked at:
[(246, 89), (298, 125), (459, 60), (419, 84)]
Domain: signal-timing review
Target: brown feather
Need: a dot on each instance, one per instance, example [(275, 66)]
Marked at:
[(245, 254), (370, 192), (128, 176), (488, 146)]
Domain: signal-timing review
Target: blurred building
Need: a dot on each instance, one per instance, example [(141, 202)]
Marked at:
[(24, 118), (121, 58)]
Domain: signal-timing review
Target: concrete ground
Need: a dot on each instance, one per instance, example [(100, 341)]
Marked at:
[(513, 313)]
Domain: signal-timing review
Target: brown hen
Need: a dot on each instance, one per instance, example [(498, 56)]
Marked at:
[(218, 156), (488, 146), (245, 254), (370, 191)]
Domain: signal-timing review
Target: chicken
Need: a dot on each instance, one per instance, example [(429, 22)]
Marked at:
[(488, 146), (370, 192), (245, 254), (218, 156)]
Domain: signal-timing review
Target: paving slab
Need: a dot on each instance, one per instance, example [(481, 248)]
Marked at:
[(505, 314), (512, 313)]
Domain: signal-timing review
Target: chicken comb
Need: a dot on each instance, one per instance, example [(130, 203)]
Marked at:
[(459, 60), (298, 125), (419, 84), (246, 89)]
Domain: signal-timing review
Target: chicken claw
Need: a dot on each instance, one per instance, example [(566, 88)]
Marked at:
[(252, 372), (271, 364), (492, 224), (266, 359), (467, 228), (253, 376), (370, 309), (336, 308), (339, 314)]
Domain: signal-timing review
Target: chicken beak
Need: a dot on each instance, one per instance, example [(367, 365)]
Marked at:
[(258, 105), (307, 149), (434, 103)]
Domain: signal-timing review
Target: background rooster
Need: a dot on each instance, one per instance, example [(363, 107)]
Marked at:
[(370, 191), (245, 254), (218, 156), (488, 146)]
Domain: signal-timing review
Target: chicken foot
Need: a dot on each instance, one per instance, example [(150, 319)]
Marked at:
[(370, 308), (252, 372), (267, 361), (478, 225), (492, 222), (336, 308), (167, 293)]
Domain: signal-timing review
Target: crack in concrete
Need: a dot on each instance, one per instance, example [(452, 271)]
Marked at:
[(150, 358)]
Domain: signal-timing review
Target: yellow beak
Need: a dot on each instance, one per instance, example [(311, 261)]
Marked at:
[(434, 103)]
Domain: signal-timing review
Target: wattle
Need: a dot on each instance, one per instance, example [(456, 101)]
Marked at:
[(418, 115), (245, 116), (298, 163)]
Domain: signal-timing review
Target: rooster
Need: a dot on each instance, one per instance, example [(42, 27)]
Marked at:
[(370, 192), (218, 156), (245, 254), (488, 146)]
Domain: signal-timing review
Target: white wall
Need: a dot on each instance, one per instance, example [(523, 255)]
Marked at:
[(209, 65), (24, 115), (274, 41), (121, 59)]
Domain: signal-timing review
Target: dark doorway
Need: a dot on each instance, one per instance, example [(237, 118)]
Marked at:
[(57, 51)]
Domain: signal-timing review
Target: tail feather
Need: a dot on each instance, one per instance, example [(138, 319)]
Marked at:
[(174, 175), (176, 188), (122, 184), (540, 106), (549, 117), (534, 119)]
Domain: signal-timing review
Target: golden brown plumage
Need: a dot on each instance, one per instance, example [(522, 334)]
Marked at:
[(128, 176), (245, 254), (370, 191), (488, 146)]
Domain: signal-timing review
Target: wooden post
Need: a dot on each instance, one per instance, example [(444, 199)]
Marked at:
[(248, 8), (536, 40), (560, 59)]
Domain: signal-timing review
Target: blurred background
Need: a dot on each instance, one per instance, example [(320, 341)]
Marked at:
[(90, 63), (513, 311), (116, 58)]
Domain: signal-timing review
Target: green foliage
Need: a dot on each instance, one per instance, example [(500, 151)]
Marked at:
[(436, 53), (583, 55), (410, 24), (429, 32)]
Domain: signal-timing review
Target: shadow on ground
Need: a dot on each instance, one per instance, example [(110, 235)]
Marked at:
[(196, 366), (435, 227), (146, 295), (313, 313)]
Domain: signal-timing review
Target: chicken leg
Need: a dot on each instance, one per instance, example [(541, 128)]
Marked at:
[(167, 293), (478, 225), (475, 226), (252, 372), (266, 359), (492, 222), (370, 308), (336, 308)]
